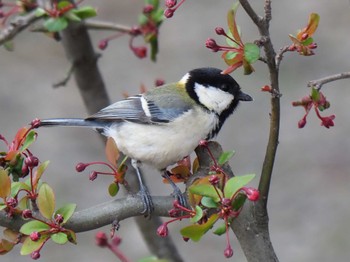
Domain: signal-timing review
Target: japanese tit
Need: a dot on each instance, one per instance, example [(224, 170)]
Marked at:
[(165, 124)]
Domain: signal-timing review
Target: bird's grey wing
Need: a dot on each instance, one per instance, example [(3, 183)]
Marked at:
[(137, 109)]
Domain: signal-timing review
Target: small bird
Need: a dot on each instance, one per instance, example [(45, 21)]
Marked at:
[(165, 124)]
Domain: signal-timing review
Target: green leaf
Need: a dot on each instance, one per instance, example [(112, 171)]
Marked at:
[(209, 202), (206, 190), (225, 157), (315, 94), (198, 216), (55, 24), (59, 238), (251, 52), (39, 12), (16, 186), (33, 226), (239, 201), (39, 172), (46, 201), (113, 189), (231, 55), (231, 21), (220, 230), (66, 211), (6, 246), (85, 12), (72, 16), (30, 138), (236, 183), (2, 206), (71, 236), (307, 41), (158, 16), (5, 184), (63, 4), (143, 19), (195, 232), (30, 246)]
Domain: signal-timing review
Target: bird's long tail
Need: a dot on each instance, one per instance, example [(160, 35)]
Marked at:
[(74, 122)]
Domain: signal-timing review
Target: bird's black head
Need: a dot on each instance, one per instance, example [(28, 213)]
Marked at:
[(215, 91)]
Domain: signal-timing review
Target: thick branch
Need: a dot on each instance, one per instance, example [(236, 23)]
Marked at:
[(318, 83), (102, 214), (16, 26)]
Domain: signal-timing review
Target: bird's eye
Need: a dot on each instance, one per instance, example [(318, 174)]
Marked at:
[(225, 87)]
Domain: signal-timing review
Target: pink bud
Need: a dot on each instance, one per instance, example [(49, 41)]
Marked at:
[(252, 193), (328, 121), (93, 175), (35, 255), (140, 52), (116, 241), (159, 82), (302, 122), (80, 167), (31, 161), (34, 236), (304, 36), (148, 9), (103, 44), (27, 213), (59, 218), (169, 12), (228, 251), (170, 3), (101, 239), (162, 230), (214, 180), (220, 31), (35, 123), (211, 44)]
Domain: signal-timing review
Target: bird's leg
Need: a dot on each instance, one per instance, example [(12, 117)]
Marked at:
[(144, 193), (177, 194)]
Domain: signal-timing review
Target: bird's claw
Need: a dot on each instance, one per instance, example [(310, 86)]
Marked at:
[(147, 201)]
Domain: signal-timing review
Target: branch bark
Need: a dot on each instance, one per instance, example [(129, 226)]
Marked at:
[(16, 26), (318, 83)]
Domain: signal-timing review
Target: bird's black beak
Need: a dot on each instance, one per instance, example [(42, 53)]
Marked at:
[(244, 97)]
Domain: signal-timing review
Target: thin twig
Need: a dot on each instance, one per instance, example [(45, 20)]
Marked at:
[(318, 83), (64, 81), (280, 54), (16, 26), (103, 25)]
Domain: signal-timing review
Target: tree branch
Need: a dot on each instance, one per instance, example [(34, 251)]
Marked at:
[(16, 26), (103, 25), (102, 214), (318, 83)]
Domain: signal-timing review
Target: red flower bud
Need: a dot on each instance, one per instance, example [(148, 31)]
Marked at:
[(35, 123), (93, 175), (59, 218), (220, 31), (228, 251), (304, 36), (312, 46), (34, 236), (252, 193), (159, 82), (140, 52), (103, 44), (211, 44), (170, 3), (101, 239), (31, 161), (168, 13), (80, 167), (11, 202), (162, 230), (35, 255), (214, 180), (116, 241), (328, 121), (302, 122), (148, 9), (266, 88), (27, 213)]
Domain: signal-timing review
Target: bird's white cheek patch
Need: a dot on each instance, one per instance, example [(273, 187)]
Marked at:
[(213, 98)]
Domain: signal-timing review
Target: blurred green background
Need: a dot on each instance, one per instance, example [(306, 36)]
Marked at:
[(309, 199)]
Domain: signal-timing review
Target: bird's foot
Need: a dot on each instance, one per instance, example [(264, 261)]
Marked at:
[(147, 201)]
